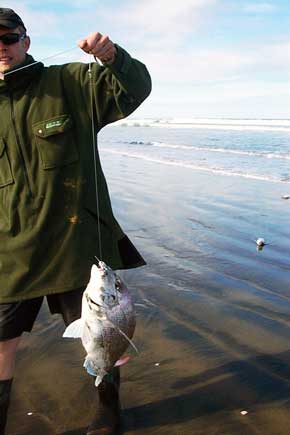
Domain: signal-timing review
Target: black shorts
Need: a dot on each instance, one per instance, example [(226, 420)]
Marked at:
[(17, 317)]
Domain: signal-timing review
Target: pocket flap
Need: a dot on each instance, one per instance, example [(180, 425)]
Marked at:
[(49, 127), (2, 146)]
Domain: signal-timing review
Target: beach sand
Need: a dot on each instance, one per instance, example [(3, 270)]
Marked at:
[(213, 313)]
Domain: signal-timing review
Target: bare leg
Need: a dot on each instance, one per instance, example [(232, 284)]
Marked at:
[(7, 357), (7, 363)]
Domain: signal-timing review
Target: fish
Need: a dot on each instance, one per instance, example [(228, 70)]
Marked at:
[(107, 323)]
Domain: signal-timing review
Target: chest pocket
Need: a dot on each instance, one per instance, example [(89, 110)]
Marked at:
[(55, 142), (5, 169)]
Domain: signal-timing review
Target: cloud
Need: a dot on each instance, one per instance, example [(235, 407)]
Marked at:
[(199, 65), (222, 79), (157, 16), (195, 61), (277, 55), (149, 25), (259, 8), (234, 99), (204, 65), (38, 22), (158, 22)]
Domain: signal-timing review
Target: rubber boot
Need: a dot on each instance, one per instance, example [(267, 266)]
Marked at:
[(107, 419), (5, 388)]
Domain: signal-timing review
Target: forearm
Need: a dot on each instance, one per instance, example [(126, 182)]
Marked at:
[(118, 88), (132, 75)]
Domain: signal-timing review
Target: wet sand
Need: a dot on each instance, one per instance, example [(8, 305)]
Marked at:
[(213, 313)]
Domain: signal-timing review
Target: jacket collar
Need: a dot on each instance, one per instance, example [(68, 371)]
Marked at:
[(16, 78)]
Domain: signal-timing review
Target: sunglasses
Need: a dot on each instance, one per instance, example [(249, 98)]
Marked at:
[(11, 38)]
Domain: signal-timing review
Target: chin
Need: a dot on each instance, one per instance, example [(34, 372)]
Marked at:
[(4, 67)]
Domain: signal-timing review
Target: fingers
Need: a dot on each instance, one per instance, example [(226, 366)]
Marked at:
[(99, 45), (88, 44)]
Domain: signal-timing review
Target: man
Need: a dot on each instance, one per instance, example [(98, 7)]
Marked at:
[(48, 207)]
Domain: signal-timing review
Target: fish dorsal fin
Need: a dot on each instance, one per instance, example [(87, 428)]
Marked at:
[(74, 330)]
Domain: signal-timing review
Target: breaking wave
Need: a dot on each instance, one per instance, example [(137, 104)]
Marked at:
[(278, 155), (211, 123), (230, 173)]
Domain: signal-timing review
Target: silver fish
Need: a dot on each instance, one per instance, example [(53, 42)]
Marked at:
[(107, 322)]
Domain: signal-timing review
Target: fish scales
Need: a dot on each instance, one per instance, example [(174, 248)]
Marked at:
[(107, 322)]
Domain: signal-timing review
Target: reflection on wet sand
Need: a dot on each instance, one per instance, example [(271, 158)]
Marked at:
[(32, 423), (213, 323)]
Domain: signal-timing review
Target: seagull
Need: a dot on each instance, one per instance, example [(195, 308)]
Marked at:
[(260, 242)]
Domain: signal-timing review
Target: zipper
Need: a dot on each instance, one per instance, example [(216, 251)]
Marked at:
[(19, 145)]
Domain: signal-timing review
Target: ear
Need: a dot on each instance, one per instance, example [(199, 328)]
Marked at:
[(26, 43)]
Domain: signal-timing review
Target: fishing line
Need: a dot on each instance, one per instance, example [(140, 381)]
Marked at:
[(124, 335), (94, 142), (40, 61), (94, 136)]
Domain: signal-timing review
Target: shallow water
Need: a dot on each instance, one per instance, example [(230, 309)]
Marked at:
[(213, 313), (233, 148)]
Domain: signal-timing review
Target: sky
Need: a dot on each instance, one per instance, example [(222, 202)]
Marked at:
[(207, 58)]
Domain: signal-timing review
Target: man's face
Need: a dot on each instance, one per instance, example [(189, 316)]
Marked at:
[(14, 54)]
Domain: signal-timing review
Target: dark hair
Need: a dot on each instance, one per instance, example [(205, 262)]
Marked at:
[(22, 29)]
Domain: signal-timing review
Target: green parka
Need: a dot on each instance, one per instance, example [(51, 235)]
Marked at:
[(48, 207)]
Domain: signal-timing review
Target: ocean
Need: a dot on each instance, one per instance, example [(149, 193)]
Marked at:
[(246, 148), (213, 323)]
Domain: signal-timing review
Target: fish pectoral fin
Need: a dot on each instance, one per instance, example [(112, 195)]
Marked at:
[(123, 334), (122, 361), (74, 330)]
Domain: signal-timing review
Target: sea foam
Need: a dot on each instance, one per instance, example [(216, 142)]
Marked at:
[(211, 123)]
